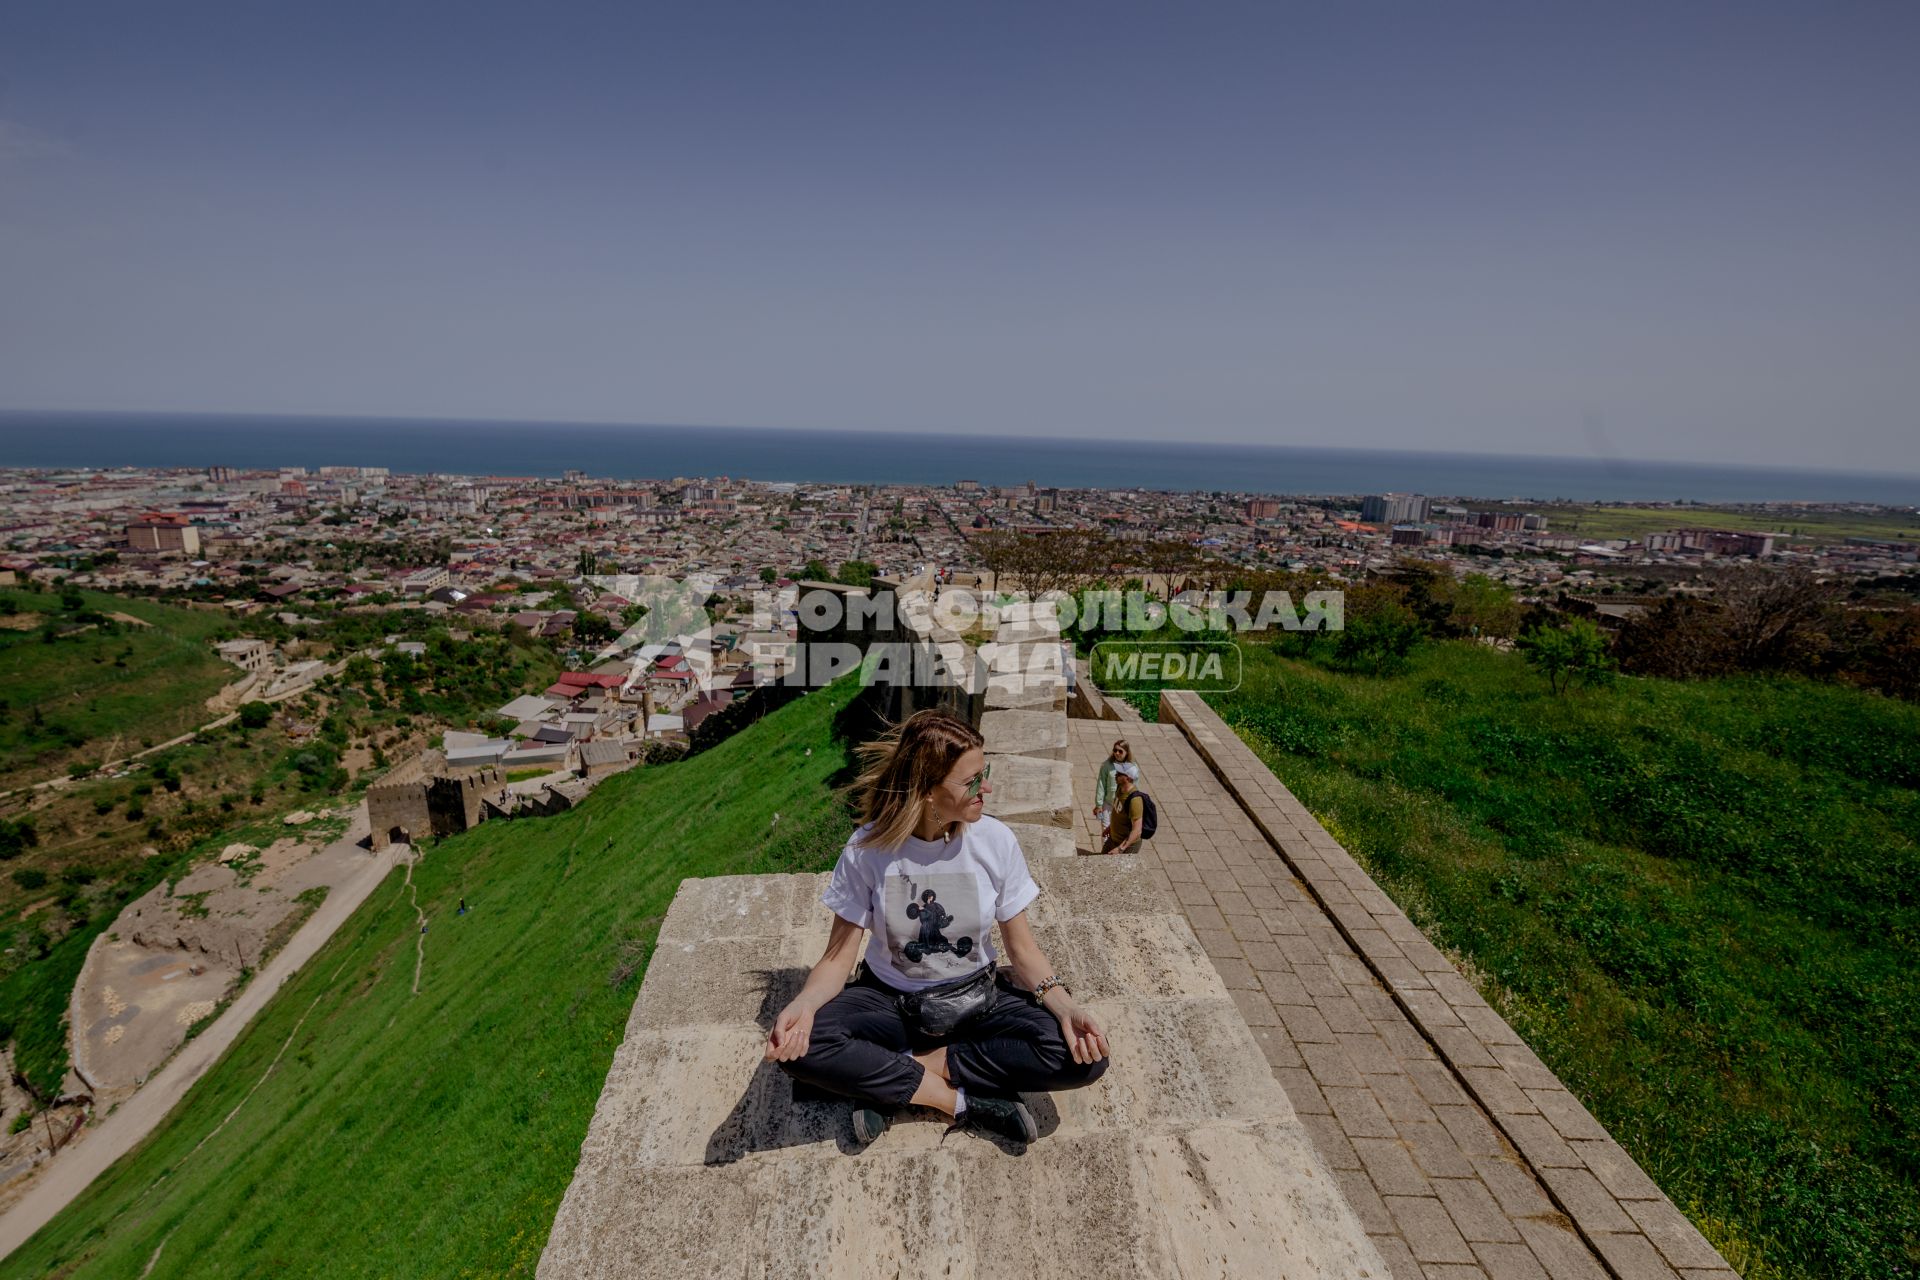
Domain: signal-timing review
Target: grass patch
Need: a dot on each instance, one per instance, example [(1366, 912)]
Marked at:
[(1699, 903), (104, 685), (1807, 528), (434, 1135), (33, 1009)]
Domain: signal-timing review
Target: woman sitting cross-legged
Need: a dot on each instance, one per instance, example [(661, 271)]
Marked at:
[(931, 1020)]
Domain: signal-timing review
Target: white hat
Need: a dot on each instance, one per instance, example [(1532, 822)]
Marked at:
[(1130, 769)]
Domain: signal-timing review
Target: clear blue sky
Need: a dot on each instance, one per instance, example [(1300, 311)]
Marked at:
[(1655, 230)]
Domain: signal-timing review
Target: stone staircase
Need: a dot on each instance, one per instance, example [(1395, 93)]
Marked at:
[(1186, 1160), (1301, 1086)]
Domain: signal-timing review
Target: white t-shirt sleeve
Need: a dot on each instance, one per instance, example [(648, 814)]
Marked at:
[(1014, 881), (848, 894)]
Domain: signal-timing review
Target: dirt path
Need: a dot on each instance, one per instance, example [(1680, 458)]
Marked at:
[(98, 1147)]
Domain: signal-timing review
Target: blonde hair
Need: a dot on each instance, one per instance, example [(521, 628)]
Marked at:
[(901, 766)]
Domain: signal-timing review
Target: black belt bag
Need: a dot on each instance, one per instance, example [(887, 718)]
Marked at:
[(940, 1011)]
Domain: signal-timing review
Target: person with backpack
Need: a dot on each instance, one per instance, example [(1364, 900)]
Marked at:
[(1134, 817), (1122, 753), (930, 1019)]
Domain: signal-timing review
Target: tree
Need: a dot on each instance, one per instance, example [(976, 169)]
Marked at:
[(1037, 563), (858, 573), (1577, 651), (591, 628), (1428, 594), (1775, 619), (769, 574), (1483, 607), (1379, 639)]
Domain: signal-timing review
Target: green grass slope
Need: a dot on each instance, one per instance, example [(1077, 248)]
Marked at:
[(104, 687), (1700, 903), (434, 1134)]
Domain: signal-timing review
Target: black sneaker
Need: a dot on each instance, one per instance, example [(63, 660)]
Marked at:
[(1007, 1117), (868, 1124)]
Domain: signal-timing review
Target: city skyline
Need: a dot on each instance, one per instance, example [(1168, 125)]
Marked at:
[(1670, 236)]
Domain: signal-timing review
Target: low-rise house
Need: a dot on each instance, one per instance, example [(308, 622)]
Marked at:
[(581, 724), (480, 755), (703, 706), (421, 581), (248, 655), (528, 707), (537, 754), (610, 755)]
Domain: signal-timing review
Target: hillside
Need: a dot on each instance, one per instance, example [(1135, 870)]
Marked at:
[(1695, 900), (78, 674), (433, 1134)]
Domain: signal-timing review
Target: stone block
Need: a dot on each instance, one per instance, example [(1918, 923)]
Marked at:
[(736, 907), (1041, 841), (1139, 958), (1026, 789), (1100, 887), (1025, 733), (1186, 1159), (1019, 695)]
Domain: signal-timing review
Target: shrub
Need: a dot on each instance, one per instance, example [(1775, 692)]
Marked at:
[(16, 837), (30, 878), (1576, 651)]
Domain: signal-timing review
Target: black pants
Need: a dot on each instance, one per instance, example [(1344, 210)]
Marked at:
[(859, 1038)]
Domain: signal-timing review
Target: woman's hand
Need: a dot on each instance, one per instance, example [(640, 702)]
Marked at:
[(1085, 1039), (791, 1031)]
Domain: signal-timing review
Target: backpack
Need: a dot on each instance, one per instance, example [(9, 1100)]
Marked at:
[(1149, 816)]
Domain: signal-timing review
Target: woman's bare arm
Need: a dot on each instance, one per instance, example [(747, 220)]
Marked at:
[(794, 1025), (1030, 968)]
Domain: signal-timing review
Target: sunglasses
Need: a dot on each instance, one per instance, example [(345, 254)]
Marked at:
[(974, 783)]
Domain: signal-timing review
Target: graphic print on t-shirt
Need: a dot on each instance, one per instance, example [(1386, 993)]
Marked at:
[(934, 924)]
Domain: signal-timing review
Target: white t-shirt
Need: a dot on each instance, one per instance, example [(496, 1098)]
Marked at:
[(930, 905)]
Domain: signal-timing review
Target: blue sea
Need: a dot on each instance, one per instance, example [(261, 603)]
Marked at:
[(413, 445)]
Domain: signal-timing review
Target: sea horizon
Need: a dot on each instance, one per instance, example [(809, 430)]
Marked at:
[(105, 440)]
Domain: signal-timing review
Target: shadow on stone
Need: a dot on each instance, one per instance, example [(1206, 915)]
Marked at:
[(769, 1118), (778, 987), (1046, 1116)]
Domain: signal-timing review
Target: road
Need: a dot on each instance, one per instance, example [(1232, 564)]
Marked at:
[(98, 1146)]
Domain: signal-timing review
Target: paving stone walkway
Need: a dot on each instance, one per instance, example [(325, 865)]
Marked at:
[(1441, 1189)]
